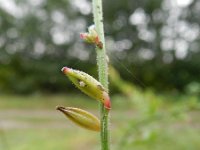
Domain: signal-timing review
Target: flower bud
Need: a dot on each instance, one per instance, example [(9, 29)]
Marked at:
[(81, 117), (92, 37), (88, 85)]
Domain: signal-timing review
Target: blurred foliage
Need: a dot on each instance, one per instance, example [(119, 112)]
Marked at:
[(153, 43), (154, 119)]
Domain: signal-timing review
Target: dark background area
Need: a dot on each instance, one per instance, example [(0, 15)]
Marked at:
[(153, 44)]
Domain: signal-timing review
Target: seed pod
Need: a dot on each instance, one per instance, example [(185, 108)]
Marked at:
[(81, 117), (88, 85)]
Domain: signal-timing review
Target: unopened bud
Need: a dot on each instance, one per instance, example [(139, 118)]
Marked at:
[(88, 85), (81, 117), (92, 37)]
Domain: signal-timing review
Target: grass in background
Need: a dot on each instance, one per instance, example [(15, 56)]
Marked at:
[(31, 122), (39, 101)]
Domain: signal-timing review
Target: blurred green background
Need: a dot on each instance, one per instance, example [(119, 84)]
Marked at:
[(154, 59)]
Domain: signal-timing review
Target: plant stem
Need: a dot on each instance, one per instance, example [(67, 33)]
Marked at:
[(102, 71)]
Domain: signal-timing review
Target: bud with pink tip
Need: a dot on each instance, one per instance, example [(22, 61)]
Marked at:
[(92, 37), (88, 85)]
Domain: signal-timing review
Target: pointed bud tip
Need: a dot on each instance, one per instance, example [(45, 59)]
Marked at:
[(65, 70), (61, 109), (58, 107)]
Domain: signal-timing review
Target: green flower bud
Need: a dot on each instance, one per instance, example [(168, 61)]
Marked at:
[(81, 117), (88, 85), (92, 37)]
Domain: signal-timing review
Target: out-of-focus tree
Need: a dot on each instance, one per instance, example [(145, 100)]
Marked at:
[(154, 42)]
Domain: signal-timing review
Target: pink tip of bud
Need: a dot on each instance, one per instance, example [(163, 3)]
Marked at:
[(83, 35), (65, 70), (107, 102)]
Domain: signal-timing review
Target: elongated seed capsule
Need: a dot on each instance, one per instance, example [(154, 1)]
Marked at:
[(88, 85), (81, 117)]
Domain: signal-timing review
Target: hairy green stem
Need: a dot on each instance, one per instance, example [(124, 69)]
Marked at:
[(102, 71)]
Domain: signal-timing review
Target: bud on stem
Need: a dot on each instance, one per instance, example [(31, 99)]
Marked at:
[(81, 117), (92, 37), (88, 85)]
